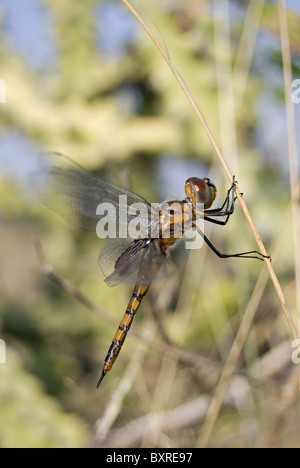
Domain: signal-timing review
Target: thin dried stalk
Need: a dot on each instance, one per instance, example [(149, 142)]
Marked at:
[(246, 48), (287, 398), (230, 365), (227, 170), (48, 271), (195, 361), (201, 365), (240, 338), (114, 406), (177, 419), (292, 141)]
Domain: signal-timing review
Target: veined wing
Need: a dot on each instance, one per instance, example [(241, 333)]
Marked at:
[(139, 261), (69, 189)]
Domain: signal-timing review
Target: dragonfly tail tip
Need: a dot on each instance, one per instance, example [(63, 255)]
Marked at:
[(101, 378)]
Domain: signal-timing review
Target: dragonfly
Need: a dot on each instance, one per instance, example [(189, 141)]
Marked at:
[(76, 194)]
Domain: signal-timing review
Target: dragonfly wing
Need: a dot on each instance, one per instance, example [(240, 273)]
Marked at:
[(119, 260), (142, 262), (75, 193), (154, 265)]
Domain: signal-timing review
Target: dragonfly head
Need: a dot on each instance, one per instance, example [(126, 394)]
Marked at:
[(200, 191)]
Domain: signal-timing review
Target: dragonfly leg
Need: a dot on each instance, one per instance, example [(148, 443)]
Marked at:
[(226, 209), (217, 221), (230, 191), (249, 254)]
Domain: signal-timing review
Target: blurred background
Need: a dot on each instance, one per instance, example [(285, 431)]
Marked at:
[(84, 79)]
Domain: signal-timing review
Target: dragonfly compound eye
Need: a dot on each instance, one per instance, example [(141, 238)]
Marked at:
[(200, 191)]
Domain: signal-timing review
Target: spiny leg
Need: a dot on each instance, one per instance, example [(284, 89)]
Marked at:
[(217, 221), (222, 208), (225, 210), (249, 254)]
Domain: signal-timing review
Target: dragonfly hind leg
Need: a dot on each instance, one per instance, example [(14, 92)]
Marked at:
[(250, 254)]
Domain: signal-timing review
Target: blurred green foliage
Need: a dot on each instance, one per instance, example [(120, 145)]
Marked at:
[(120, 115)]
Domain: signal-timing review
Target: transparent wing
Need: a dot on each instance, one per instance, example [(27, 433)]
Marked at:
[(70, 190), (110, 253), (119, 260), (141, 261)]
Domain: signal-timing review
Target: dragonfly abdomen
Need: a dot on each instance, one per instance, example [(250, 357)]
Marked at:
[(139, 292)]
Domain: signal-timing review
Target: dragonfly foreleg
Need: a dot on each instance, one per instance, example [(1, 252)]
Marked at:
[(226, 209)]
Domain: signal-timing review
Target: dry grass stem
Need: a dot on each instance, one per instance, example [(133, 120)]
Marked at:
[(292, 142), (114, 405), (248, 316), (186, 415), (229, 368), (227, 170), (288, 396)]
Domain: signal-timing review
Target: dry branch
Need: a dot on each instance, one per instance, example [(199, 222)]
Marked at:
[(239, 341)]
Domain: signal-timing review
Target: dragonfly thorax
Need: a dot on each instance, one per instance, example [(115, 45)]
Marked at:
[(174, 218), (200, 191)]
